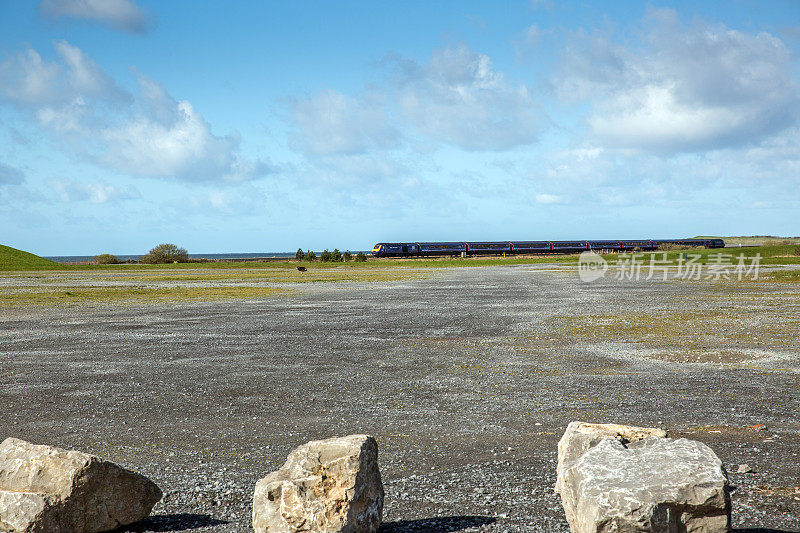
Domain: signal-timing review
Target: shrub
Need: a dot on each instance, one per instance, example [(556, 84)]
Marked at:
[(310, 256), (360, 257), (325, 256), (299, 255), (347, 256), (336, 255), (106, 259), (166, 253), (796, 250)]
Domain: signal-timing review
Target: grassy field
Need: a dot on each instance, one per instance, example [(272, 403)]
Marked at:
[(769, 255), (757, 240), (132, 294), (32, 280), (16, 260), (13, 259)]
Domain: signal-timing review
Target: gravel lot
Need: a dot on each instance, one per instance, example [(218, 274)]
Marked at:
[(467, 379)]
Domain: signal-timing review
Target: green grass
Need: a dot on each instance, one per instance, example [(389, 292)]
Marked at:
[(17, 260), (273, 275), (133, 294), (766, 240), (790, 276), (770, 255), (444, 262), (13, 259)]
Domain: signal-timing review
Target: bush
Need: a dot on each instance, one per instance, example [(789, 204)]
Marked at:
[(336, 255), (796, 250), (299, 255), (325, 256), (106, 259), (360, 257), (310, 256), (347, 256), (166, 253)]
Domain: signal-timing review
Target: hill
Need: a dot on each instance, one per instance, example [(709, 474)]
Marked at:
[(13, 259)]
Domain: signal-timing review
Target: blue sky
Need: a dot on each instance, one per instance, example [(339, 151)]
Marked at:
[(254, 126)]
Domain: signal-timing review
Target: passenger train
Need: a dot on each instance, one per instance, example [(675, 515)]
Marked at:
[(419, 249)]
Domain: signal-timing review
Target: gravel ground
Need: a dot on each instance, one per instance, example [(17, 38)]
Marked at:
[(467, 379)]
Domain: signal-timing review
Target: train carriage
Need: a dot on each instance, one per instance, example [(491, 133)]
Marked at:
[(423, 249)]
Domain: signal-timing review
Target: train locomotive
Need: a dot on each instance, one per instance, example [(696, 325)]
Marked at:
[(422, 249)]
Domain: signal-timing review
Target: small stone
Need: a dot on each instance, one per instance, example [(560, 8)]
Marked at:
[(744, 469)]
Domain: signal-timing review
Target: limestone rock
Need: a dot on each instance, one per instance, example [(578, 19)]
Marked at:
[(580, 436), (652, 485), (331, 485), (50, 490)]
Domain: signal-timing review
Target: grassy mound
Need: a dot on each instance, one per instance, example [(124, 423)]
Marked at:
[(13, 259)]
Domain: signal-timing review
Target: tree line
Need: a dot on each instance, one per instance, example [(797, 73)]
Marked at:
[(330, 257), (170, 253)]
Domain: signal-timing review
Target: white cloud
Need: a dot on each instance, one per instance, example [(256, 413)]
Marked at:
[(28, 80), (174, 140), (457, 98), (684, 89), (391, 132), (10, 175), (248, 199), (549, 199), (96, 193), (119, 14), (151, 134), (85, 77), (332, 123)]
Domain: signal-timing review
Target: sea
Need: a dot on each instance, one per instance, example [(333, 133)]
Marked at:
[(232, 255)]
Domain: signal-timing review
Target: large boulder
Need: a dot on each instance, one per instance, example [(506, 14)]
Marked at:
[(580, 436), (331, 485), (652, 485), (50, 490)]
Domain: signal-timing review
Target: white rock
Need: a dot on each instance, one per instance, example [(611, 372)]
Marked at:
[(331, 485), (580, 436), (653, 485), (47, 489)]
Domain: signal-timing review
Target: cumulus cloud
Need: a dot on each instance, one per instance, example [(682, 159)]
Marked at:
[(543, 198), (96, 193), (686, 88), (170, 138), (390, 132), (10, 175), (247, 200), (28, 80), (123, 15), (332, 123), (458, 98), (147, 134)]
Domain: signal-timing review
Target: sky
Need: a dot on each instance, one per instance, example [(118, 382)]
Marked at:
[(266, 126)]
